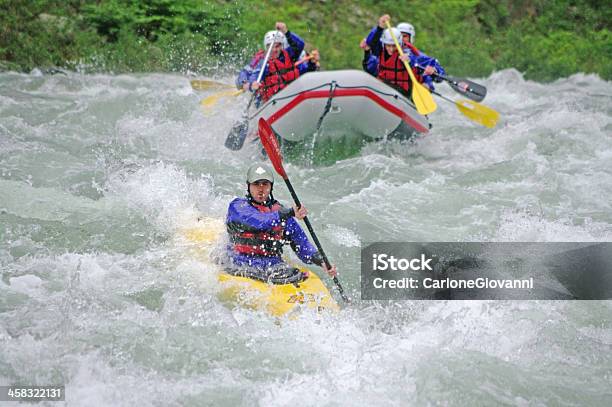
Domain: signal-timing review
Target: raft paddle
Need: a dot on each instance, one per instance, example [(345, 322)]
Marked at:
[(212, 100), (474, 111), (268, 139), (237, 135), (204, 84), (420, 95)]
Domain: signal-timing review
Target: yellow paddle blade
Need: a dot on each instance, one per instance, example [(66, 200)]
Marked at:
[(212, 100), (421, 97), (478, 113), (201, 84)]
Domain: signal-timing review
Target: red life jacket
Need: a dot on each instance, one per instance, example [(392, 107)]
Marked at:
[(393, 72), (280, 74), (267, 244)]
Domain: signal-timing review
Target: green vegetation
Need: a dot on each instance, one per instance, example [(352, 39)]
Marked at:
[(544, 39)]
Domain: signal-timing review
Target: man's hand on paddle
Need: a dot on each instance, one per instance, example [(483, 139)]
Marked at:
[(331, 271), (429, 70), (282, 27), (382, 21), (301, 212), (364, 45)]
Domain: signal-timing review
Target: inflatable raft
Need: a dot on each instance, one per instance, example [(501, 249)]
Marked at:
[(346, 104), (202, 237)]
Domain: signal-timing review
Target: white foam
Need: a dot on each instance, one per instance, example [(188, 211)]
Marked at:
[(28, 284)]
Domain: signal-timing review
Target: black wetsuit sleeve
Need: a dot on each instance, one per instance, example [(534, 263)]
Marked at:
[(366, 58), (294, 45), (285, 213), (376, 46), (317, 259)]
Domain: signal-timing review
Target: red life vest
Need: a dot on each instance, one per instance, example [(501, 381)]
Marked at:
[(267, 244), (393, 72), (280, 74)]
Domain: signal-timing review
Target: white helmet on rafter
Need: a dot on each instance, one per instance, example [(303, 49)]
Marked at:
[(387, 38), (407, 28), (275, 36)]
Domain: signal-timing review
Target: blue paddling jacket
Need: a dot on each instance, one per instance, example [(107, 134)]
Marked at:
[(247, 70), (420, 60), (370, 63), (258, 233), (307, 66)]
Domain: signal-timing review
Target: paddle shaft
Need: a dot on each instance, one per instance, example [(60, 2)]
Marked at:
[(315, 239), (443, 97), (246, 111)]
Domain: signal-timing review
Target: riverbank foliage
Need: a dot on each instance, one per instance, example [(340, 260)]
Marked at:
[(543, 39)]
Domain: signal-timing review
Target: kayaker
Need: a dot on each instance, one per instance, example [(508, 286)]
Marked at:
[(280, 69), (390, 67), (258, 227)]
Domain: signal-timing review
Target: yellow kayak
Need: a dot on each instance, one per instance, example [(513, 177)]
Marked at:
[(276, 299)]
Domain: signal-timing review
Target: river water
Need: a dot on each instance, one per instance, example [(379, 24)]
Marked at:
[(97, 174)]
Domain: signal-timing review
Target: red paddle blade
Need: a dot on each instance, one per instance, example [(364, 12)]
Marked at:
[(268, 139)]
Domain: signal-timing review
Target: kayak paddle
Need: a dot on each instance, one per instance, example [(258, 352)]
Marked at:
[(469, 89), (420, 95), (237, 135), (474, 111), (268, 139)]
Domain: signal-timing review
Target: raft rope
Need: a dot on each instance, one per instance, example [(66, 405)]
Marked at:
[(335, 86), (332, 88)]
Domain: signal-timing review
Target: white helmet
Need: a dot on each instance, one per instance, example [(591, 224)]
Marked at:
[(408, 29), (275, 36), (388, 39)]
